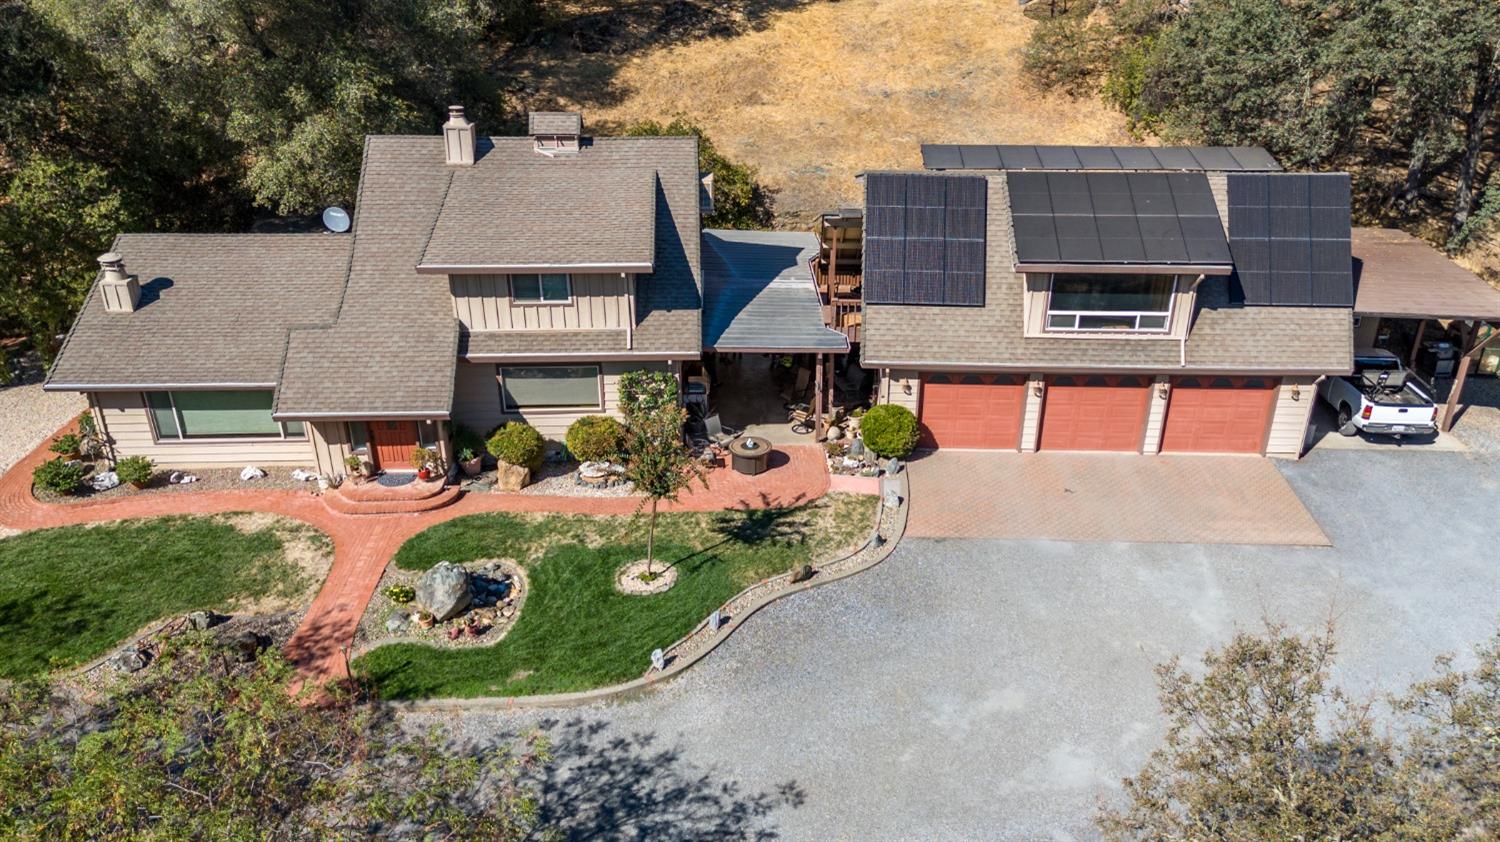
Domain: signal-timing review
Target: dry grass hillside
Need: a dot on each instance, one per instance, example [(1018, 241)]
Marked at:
[(810, 93)]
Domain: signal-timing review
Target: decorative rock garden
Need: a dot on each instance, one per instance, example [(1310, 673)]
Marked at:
[(640, 578), (449, 605), (850, 457)]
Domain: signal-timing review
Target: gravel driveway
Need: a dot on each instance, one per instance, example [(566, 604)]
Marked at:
[(28, 416), (999, 689)]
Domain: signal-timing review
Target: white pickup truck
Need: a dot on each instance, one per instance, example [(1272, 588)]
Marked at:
[(1382, 397)]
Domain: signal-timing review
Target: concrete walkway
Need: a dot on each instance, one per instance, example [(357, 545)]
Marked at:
[(1107, 497), (364, 544)]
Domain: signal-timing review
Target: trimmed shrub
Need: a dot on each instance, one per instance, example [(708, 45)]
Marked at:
[(889, 430), (646, 391), (518, 443), (595, 438), (135, 470), (57, 476), (67, 444)]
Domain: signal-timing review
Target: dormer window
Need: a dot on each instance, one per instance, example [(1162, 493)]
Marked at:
[(540, 289), (1123, 303)]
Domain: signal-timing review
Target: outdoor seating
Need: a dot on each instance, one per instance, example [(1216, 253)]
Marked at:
[(717, 433)]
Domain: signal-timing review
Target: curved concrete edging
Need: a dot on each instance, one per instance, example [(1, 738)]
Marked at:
[(677, 667)]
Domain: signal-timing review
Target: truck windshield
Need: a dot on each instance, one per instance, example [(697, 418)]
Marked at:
[(1376, 364)]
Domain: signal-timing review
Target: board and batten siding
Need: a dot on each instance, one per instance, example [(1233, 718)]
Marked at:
[(128, 427), (476, 397), (1291, 416), (893, 388), (483, 302), (1156, 415)]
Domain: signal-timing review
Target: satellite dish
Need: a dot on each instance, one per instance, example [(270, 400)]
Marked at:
[(336, 219)]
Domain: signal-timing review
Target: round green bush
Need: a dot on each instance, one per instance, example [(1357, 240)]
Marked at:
[(135, 470), (889, 430), (518, 444), (595, 438), (57, 476)]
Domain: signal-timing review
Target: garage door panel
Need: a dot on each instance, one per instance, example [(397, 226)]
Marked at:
[(972, 411), (1219, 414), (1095, 413)]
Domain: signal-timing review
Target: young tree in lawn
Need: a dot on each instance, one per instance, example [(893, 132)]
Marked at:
[(659, 463)]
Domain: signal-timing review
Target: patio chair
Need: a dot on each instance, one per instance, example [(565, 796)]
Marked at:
[(717, 432)]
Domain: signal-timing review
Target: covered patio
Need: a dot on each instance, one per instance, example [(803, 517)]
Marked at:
[(765, 340), (1397, 276)]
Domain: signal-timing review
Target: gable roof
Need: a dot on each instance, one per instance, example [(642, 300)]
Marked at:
[(214, 311), (554, 123)]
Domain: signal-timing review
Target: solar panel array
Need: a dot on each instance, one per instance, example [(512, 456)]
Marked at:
[(1289, 233), (943, 156), (1147, 218), (924, 239)]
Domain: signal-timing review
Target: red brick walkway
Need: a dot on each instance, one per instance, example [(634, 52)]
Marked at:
[(363, 544)]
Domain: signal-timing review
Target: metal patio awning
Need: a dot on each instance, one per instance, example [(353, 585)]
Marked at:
[(759, 294)]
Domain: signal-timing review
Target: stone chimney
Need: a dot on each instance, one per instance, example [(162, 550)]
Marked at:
[(555, 132), (458, 138), (122, 292)]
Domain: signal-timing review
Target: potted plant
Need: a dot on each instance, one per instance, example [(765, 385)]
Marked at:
[(135, 470), (68, 445), (424, 619), (357, 467), (470, 449), (421, 459), (470, 462)]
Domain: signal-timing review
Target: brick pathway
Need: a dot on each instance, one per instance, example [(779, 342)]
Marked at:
[(1107, 497), (363, 544)]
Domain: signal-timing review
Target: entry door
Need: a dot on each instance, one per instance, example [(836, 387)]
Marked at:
[(392, 443), (1095, 413)]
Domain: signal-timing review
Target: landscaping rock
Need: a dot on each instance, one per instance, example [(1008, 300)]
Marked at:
[(510, 477), (444, 590), (204, 620), (246, 645), (251, 472), (397, 622), (802, 574), (130, 660), (105, 481)]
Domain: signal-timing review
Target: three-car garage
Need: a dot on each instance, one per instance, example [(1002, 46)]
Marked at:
[(1132, 413)]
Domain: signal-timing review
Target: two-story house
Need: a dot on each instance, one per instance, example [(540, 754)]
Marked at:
[(1117, 299), (484, 279)]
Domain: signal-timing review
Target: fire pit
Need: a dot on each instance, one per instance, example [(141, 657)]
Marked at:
[(750, 454)]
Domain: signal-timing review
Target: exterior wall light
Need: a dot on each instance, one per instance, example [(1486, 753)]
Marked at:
[(905, 387), (1162, 389), (1296, 392), (1036, 388)]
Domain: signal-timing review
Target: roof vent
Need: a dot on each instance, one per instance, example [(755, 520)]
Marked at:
[(555, 132), (458, 138), (121, 292)]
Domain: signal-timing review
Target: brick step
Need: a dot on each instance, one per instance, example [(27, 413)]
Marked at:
[(365, 492), (343, 505)]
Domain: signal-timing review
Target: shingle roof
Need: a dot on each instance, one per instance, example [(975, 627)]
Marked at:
[(1224, 337), (759, 293), (545, 343), (1399, 275), (554, 123), (515, 208), (214, 309)]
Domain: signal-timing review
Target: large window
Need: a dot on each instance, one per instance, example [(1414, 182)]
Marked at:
[(217, 415), (1110, 302), (543, 288), (550, 387)]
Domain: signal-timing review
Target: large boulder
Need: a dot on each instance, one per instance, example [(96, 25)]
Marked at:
[(444, 590), (510, 477)]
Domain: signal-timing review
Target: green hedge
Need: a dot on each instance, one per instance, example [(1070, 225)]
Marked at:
[(595, 438), (518, 444), (889, 430)]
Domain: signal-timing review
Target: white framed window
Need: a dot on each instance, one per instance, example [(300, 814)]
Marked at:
[(550, 387), (186, 415), (1110, 303), (543, 289)]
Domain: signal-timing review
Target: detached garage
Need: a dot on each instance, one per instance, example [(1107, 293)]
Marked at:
[(1219, 414), (1095, 412), (981, 411)]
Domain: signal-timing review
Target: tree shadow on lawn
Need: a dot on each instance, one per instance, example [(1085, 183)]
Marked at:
[(749, 526), (605, 784)]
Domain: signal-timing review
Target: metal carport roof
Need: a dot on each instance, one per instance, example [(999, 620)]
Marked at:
[(759, 294), (1400, 276)]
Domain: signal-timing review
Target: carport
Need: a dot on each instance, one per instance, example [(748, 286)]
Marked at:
[(1397, 276)]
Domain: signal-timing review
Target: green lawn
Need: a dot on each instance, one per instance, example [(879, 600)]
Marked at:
[(68, 595), (576, 631)]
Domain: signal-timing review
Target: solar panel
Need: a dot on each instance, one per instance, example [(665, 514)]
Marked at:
[(925, 239), (1289, 234), (948, 156)]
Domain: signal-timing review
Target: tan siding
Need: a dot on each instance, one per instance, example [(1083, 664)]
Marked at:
[(893, 388), (1156, 416), (330, 443), (482, 302), (1031, 419), (1034, 313), (1366, 333), (476, 398), (1289, 423), (124, 415)]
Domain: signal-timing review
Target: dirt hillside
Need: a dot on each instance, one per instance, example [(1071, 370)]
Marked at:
[(812, 93)]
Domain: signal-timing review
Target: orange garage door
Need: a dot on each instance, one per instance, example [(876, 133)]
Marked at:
[(972, 410), (1095, 412), (1219, 414)]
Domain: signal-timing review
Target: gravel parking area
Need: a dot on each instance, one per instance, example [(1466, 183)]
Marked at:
[(984, 689), (28, 416)]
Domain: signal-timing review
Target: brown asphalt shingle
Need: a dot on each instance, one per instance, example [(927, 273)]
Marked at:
[(214, 309), (521, 344), (1223, 337)]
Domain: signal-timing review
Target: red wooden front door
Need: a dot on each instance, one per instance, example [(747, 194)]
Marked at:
[(392, 442)]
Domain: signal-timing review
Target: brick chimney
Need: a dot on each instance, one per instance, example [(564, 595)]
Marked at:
[(458, 138), (555, 132), (122, 292)]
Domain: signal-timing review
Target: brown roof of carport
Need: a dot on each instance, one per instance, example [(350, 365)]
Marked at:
[(1400, 276)]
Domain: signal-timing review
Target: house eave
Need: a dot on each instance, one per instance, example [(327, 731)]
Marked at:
[(1125, 268), (146, 387), (635, 267)]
